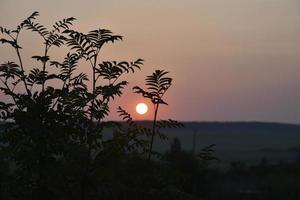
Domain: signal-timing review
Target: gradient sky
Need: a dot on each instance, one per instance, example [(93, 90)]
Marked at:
[(231, 60)]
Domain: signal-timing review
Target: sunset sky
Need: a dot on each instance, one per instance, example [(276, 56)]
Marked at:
[(231, 60)]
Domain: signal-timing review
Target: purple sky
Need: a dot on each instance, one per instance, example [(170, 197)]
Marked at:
[(231, 60)]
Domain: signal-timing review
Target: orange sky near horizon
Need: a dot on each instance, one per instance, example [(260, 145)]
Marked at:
[(233, 60)]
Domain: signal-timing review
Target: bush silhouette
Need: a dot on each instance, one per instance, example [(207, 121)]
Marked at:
[(53, 136)]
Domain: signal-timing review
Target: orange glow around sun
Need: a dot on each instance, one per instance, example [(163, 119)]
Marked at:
[(141, 108)]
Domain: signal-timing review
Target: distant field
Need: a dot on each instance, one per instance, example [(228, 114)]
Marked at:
[(240, 141), (237, 141)]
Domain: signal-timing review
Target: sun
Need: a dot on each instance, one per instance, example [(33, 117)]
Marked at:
[(141, 108)]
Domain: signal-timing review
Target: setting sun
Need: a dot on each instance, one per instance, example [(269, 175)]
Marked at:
[(141, 108)]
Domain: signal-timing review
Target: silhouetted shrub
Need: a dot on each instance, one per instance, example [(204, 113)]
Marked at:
[(53, 133)]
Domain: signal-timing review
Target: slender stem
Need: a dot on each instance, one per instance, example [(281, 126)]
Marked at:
[(40, 164), (20, 60), (44, 67), (22, 68), (89, 143), (87, 134), (94, 78), (153, 130)]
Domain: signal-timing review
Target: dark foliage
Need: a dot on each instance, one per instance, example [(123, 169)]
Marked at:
[(264, 180), (52, 140)]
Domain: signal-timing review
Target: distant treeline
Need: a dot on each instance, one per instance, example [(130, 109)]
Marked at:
[(237, 126)]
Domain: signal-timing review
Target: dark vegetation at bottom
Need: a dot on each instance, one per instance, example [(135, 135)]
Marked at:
[(177, 174), (262, 181)]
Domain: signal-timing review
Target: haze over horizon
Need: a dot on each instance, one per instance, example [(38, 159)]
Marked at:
[(233, 60)]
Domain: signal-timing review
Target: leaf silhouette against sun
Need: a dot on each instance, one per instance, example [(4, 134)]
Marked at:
[(10, 70), (98, 37), (157, 84), (111, 71), (62, 24)]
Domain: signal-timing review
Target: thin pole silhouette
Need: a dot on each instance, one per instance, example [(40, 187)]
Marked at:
[(194, 142)]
